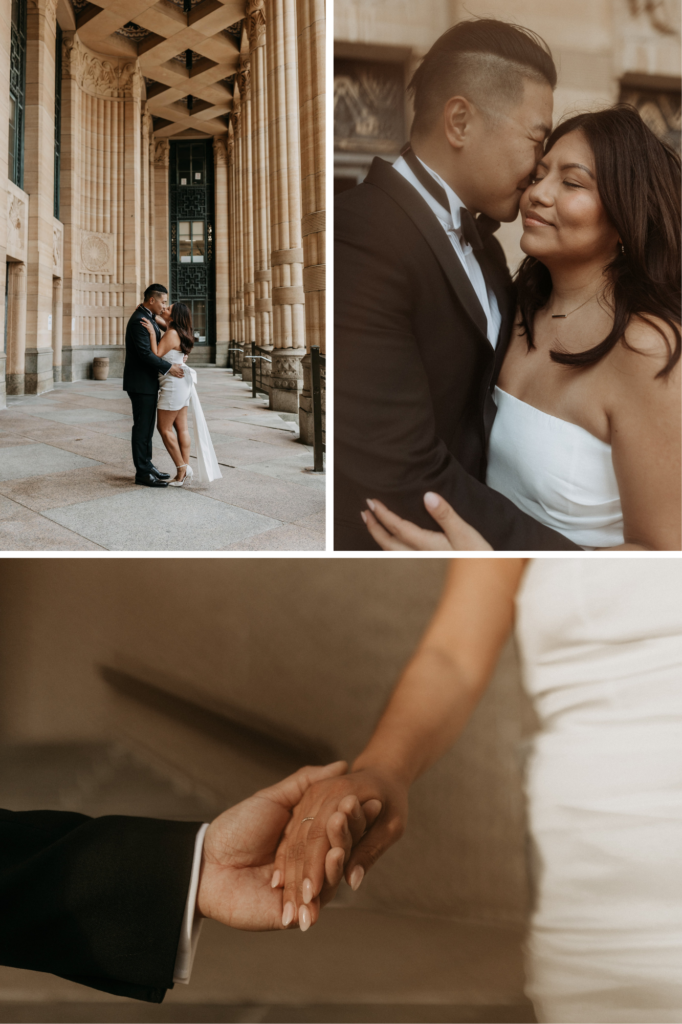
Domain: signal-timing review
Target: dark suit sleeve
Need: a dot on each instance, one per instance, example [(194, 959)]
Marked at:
[(386, 445), (143, 348), (99, 901)]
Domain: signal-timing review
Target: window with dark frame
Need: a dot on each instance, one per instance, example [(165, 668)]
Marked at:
[(17, 93)]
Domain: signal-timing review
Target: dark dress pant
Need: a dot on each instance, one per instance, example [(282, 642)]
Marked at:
[(144, 419)]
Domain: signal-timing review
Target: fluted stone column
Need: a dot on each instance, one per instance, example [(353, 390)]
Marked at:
[(222, 291), (247, 205), (238, 223), (311, 85), (39, 184), (232, 237), (161, 200), (5, 38), (16, 329), (57, 309), (285, 207), (261, 213), (70, 200), (132, 198)]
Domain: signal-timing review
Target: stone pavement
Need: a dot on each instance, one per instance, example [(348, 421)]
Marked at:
[(66, 476)]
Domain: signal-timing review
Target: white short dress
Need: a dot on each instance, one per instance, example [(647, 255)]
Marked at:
[(174, 392)]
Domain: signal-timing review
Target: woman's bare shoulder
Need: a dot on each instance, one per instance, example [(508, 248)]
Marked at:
[(171, 339), (646, 350)]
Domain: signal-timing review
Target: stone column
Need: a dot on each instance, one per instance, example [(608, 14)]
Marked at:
[(285, 207), (261, 214), (247, 204), (39, 184), (16, 329), (132, 193), (5, 37), (311, 85), (161, 200), (222, 286), (57, 312), (237, 222), (70, 198), (145, 218)]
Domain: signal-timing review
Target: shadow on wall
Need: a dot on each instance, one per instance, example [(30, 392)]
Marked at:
[(229, 674)]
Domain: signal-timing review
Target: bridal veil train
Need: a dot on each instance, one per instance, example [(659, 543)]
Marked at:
[(208, 468)]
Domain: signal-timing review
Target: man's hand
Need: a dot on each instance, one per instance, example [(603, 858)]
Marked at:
[(176, 371), (364, 797), (239, 850)]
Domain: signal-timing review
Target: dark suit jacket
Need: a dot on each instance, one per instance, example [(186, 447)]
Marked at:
[(142, 367), (99, 901), (414, 370)]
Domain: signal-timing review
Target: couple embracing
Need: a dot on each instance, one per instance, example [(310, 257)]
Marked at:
[(474, 412), (162, 389)]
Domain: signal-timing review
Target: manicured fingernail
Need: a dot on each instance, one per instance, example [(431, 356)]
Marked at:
[(304, 920), (431, 500), (356, 877), (307, 889), (370, 504), (363, 516), (274, 882), (288, 915)]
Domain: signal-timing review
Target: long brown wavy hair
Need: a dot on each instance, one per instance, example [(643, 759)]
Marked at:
[(181, 320), (638, 178)]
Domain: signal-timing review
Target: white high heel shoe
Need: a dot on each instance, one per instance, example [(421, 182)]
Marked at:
[(186, 478)]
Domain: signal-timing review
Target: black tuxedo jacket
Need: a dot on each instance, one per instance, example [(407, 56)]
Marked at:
[(414, 370), (142, 367), (99, 901)]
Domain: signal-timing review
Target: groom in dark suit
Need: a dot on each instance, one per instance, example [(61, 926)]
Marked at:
[(423, 297), (141, 381)]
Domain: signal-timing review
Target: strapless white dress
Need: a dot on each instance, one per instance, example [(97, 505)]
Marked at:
[(174, 392), (601, 649), (556, 471)]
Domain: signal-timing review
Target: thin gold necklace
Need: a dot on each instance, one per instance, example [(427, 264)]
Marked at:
[(562, 316)]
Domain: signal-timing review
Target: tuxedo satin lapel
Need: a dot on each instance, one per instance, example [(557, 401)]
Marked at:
[(384, 177)]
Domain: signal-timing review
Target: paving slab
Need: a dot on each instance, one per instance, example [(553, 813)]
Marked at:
[(284, 538), (30, 531), (293, 469), (61, 489), (172, 519), (38, 460), (62, 415), (276, 498)]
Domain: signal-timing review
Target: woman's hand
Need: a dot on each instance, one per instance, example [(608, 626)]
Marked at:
[(152, 335), (370, 800), (395, 534)]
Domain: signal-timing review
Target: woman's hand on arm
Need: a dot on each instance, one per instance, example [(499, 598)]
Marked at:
[(395, 534)]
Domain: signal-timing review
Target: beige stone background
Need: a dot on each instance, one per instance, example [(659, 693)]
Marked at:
[(605, 50)]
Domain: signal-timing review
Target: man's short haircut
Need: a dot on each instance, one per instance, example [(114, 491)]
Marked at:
[(155, 289), (484, 60)]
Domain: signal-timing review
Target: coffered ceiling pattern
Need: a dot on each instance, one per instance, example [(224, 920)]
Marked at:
[(182, 94)]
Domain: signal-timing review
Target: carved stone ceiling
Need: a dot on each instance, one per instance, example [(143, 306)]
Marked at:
[(157, 32)]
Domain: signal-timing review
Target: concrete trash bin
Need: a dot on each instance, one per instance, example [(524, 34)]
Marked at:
[(100, 368)]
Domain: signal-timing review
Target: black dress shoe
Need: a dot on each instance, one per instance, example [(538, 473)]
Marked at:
[(160, 476), (149, 480)]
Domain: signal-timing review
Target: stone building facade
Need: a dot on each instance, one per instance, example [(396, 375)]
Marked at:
[(179, 141), (605, 51)]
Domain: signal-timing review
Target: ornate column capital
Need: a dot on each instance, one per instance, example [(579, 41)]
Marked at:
[(244, 75), (112, 79), (659, 13), (255, 23), (161, 152), (219, 150)]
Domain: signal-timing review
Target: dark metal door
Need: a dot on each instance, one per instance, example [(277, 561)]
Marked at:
[(192, 262)]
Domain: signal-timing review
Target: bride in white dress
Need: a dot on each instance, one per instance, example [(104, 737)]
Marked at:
[(178, 396), (587, 433), (601, 651)]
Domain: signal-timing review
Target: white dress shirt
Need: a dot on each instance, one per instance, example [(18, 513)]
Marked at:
[(191, 925), (451, 222)]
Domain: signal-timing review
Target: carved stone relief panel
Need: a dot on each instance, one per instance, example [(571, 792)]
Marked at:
[(660, 110), (97, 252), (17, 222), (368, 106)]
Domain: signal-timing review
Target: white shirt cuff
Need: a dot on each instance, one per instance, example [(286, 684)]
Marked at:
[(191, 923)]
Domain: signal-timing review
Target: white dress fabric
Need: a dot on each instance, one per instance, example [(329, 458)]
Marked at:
[(174, 392), (601, 649), (556, 471)]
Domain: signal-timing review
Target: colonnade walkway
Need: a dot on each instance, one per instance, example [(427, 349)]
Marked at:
[(66, 476)]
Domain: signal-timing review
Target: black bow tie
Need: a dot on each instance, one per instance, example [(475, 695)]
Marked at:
[(474, 230)]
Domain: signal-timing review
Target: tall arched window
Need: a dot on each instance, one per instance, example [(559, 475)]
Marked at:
[(17, 90)]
